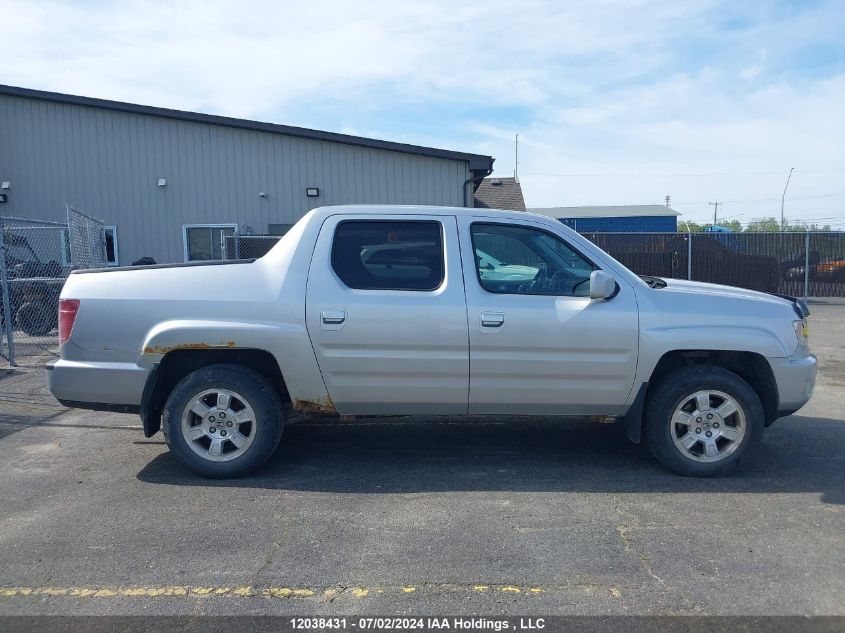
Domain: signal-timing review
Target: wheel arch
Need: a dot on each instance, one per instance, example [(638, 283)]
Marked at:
[(750, 366), (175, 365)]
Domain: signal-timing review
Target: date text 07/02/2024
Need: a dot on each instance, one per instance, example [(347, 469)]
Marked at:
[(418, 623)]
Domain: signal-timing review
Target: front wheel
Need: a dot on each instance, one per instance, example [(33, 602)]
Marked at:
[(701, 419), (223, 421)]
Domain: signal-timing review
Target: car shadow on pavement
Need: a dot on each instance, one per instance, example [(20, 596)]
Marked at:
[(401, 455)]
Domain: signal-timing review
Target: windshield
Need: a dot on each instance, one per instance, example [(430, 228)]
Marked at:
[(17, 253)]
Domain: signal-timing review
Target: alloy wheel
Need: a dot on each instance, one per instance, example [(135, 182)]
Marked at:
[(708, 425), (218, 425)]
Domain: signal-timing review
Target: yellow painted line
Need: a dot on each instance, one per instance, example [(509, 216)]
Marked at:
[(82, 593), (50, 591), (105, 593), (326, 593)]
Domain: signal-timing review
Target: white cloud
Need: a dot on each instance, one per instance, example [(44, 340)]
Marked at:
[(750, 72), (613, 87)]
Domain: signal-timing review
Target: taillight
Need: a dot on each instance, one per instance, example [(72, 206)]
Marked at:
[(67, 315)]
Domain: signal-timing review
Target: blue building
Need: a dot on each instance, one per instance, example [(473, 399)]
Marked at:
[(640, 218)]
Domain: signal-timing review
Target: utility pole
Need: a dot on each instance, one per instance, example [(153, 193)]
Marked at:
[(516, 159), (715, 211), (783, 199)]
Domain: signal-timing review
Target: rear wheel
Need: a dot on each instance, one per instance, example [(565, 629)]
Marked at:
[(223, 420), (700, 420)]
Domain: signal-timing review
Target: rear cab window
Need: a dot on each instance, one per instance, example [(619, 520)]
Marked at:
[(389, 255)]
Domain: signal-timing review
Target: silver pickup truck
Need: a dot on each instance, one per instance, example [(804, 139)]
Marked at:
[(367, 310)]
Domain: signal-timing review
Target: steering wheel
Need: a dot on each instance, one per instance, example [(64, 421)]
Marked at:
[(542, 273)]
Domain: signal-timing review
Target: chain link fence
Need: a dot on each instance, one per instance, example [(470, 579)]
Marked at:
[(802, 264), (86, 240), (249, 246), (35, 259)]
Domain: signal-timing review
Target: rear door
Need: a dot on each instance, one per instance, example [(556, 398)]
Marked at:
[(386, 314)]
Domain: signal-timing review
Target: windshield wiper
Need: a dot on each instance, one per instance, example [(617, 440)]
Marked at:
[(653, 282)]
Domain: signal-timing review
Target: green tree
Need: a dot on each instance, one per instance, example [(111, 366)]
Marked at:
[(764, 225), (694, 227), (772, 225), (733, 225)]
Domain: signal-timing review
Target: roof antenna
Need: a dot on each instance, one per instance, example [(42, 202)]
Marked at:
[(516, 159)]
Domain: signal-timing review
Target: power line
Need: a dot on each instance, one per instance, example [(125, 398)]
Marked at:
[(819, 219), (684, 175), (755, 200)]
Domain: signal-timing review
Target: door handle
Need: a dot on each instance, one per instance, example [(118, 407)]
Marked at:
[(333, 317), (492, 319)]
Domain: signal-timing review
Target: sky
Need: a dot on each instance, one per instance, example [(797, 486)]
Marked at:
[(614, 101)]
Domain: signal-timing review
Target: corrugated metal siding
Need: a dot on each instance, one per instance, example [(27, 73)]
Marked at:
[(637, 224), (108, 163)]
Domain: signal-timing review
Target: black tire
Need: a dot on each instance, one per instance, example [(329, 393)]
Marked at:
[(670, 392), (35, 318), (253, 389)]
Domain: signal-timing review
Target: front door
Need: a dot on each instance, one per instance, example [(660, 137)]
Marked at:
[(386, 314), (538, 343)]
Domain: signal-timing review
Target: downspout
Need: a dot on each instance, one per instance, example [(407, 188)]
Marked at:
[(467, 198)]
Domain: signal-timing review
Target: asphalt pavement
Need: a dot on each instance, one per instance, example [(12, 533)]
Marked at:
[(421, 515)]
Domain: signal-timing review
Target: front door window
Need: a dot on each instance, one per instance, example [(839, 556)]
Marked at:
[(516, 259)]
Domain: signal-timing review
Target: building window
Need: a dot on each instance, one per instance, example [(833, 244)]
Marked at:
[(514, 259), (205, 242), (110, 245), (401, 255)]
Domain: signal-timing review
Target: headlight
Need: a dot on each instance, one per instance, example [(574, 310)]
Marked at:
[(801, 330)]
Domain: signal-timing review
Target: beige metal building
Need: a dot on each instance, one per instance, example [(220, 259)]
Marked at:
[(172, 185)]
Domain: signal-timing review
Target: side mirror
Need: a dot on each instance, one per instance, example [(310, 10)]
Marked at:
[(602, 285)]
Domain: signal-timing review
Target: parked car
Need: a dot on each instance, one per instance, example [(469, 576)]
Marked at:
[(718, 258), (34, 287), (340, 318), (831, 270)]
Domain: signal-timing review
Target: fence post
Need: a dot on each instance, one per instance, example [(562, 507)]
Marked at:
[(807, 264), (70, 237), (689, 253), (7, 304)]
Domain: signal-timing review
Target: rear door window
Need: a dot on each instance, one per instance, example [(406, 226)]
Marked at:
[(389, 255)]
